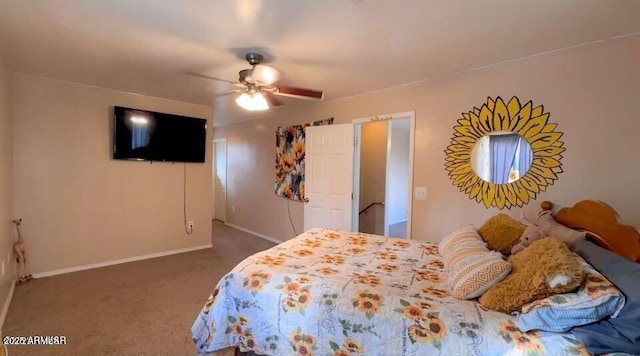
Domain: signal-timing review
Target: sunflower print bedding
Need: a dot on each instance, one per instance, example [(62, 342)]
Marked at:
[(330, 292)]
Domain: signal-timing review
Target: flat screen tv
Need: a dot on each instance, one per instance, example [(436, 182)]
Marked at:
[(152, 136)]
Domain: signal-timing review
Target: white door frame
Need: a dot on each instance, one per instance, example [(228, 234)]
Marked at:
[(411, 115), (213, 184), (387, 174)]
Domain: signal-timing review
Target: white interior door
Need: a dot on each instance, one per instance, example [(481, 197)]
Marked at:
[(329, 177), (220, 180)]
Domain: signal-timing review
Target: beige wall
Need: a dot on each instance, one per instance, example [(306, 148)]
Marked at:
[(7, 231), (81, 207), (590, 91), (373, 174)]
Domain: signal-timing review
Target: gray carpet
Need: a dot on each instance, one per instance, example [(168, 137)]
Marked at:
[(137, 308)]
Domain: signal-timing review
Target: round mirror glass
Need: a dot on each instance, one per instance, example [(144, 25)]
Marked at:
[(501, 157)]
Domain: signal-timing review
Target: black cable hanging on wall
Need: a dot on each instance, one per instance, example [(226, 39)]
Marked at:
[(290, 220), (187, 229)]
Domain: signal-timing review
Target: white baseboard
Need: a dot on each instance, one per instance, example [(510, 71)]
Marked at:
[(117, 262), (5, 308), (262, 236)]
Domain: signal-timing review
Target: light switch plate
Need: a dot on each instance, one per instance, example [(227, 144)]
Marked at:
[(420, 193)]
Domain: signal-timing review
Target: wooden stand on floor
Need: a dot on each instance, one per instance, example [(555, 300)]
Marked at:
[(24, 274)]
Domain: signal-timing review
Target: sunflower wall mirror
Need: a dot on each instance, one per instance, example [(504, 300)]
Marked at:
[(504, 154)]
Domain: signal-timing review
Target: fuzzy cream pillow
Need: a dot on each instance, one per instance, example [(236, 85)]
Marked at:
[(501, 233), (545, 268)]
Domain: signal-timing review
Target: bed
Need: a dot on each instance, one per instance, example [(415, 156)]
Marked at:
[(330, 292)]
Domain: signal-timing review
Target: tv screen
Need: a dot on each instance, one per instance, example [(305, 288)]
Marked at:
[(152, 136)]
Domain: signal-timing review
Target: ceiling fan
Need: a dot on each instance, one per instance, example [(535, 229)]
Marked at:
[(259, 88)]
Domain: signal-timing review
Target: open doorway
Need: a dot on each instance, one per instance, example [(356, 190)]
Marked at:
[(219, 207), (383, 172)]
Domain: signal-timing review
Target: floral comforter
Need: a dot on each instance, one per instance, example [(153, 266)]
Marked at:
[(329, 292)]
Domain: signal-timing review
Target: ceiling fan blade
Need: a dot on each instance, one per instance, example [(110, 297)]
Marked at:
[(212, 78), (227, 93), (298, 93), (272, 100)]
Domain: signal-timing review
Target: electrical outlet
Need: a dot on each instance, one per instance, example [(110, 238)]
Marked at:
[(190, 224), (420, 193), (233, 208)]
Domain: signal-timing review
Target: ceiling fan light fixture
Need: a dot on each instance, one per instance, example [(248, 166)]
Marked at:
[(252, 102), (264, 74)]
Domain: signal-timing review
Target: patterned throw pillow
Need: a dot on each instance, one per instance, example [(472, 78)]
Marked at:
[(462, 255), (472, 271), (465, 237)]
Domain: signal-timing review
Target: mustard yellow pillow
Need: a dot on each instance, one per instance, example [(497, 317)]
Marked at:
[(501, 233), (545, 268)]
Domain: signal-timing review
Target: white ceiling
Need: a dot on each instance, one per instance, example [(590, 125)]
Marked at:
[(344, 47)]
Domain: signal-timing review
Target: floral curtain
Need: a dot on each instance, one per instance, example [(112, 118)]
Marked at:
[(290, 154)]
